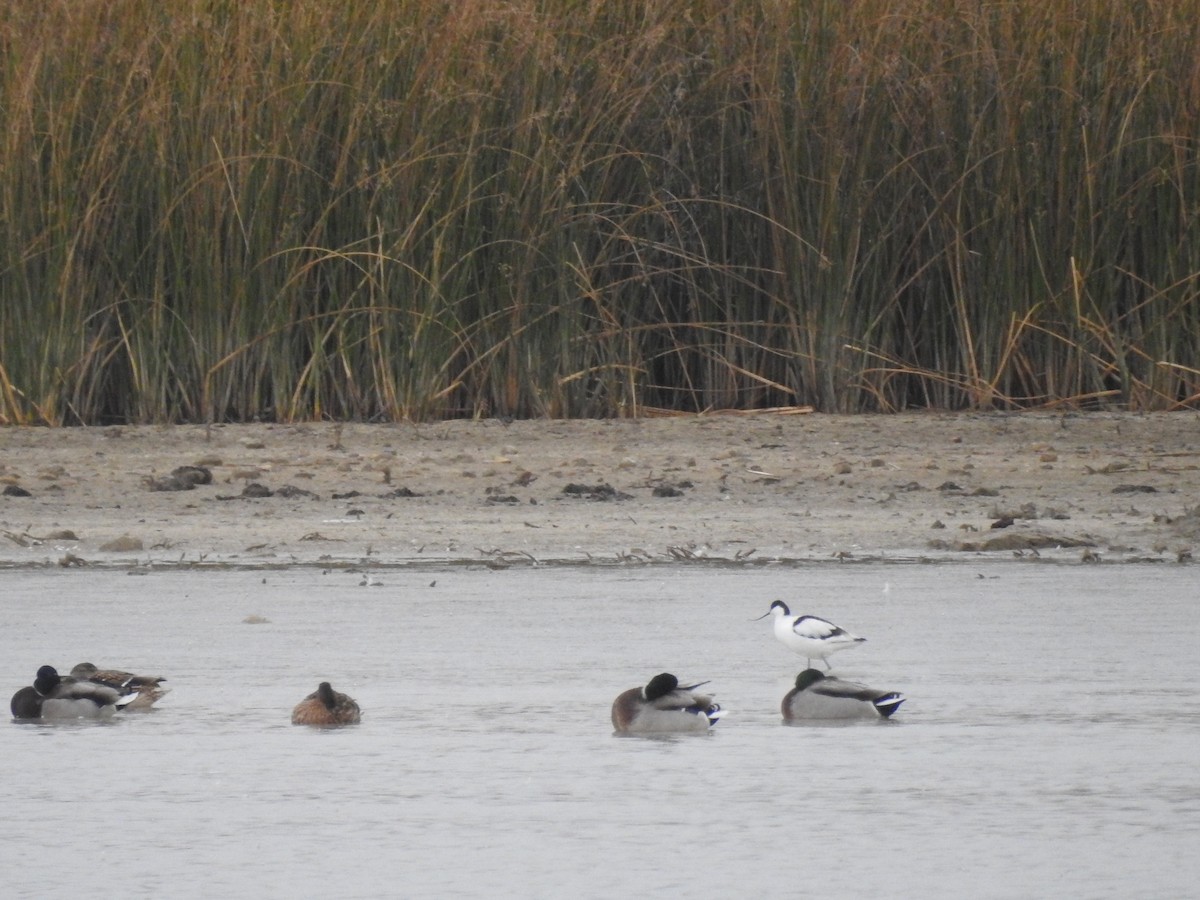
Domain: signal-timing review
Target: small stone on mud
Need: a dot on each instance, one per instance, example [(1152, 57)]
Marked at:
[(123, 544), (1135, 489)]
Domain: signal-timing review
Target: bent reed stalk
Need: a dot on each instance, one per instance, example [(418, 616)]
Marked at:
[(227, 211)]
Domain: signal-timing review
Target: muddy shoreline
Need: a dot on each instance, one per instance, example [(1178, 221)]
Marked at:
[(747, 489)]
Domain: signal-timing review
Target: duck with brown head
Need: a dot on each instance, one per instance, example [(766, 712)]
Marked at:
[(147, 689), (326, 707)]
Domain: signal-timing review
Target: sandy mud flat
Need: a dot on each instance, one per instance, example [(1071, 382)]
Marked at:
[(744, 489)]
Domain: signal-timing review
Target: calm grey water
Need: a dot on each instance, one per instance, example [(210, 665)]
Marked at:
[(1049, 746)]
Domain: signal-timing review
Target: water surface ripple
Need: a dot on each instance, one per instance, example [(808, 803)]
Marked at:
[(1048, 746)]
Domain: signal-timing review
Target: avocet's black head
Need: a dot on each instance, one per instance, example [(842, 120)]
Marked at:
[(660, 685), (808, 678), (776, 605), (47, 679)]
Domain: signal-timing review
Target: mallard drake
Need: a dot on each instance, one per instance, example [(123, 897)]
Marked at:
[(818, 697), (664, 706), (325, 706), (810, 636), (147, 688), (53, 697)]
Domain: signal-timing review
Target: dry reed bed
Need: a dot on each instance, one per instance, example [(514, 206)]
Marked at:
[(221, 211)]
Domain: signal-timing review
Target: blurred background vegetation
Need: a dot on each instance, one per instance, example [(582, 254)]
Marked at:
[(239, 209)]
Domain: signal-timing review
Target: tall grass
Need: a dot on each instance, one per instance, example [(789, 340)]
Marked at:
[(221, 211)]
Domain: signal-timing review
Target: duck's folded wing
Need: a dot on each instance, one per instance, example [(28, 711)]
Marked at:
[(846, 690), (683, 700), (124, 680), (100, 694)]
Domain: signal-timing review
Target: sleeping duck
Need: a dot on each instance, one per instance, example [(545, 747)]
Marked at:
[(147, 689), (325, 706), (821, 697), (53, 697), (664, 706)]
